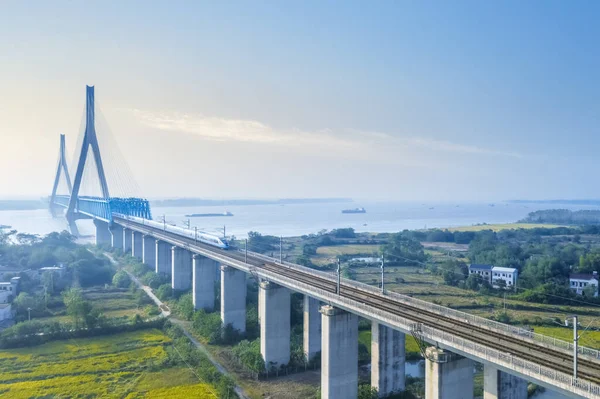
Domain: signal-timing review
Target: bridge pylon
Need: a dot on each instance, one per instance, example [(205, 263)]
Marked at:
[(61, 168), (90, 141)]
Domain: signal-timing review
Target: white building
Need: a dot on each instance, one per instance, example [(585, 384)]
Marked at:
[(578, 282), (509, 275), (5, 311), (9, 290)]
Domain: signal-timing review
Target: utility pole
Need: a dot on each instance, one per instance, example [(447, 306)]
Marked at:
[(575, 339), (281, 250), (164, 222), (224, 232), (196, 234), (382, 273), (246, 252), (338, 276)]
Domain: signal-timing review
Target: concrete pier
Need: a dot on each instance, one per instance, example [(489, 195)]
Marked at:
[(447, 375), (339, 354), (387, 359), (274, 311), (500, 385), (181, 269), (312, 328), (116, 233), (103, 236), (136, 245), (163, 258), (204, 274), (149, 251), (233, 298), (126, 240)]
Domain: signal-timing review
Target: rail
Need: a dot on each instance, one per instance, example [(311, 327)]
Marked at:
[(525, 367), (535, 371), (517, 332)]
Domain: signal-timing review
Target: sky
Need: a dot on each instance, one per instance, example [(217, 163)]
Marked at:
[(391, 100)]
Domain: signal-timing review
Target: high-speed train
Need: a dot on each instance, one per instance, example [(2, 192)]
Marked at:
[(201, 236)]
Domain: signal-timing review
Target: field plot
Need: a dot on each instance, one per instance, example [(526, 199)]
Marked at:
[(126, 365), (505, 226), (111, 301), (422, 284)]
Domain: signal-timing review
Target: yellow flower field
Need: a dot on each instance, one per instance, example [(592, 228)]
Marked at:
[(127, 365)]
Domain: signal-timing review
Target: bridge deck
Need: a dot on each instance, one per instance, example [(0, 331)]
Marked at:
[(550, 366)]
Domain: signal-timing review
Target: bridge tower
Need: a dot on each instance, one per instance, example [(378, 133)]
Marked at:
[(90, 141), (61, 168)]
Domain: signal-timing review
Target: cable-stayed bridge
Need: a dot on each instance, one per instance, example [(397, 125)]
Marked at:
[(90, 171), (450, 340)]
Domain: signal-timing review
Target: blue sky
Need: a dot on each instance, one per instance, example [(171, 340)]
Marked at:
[(396, 100)]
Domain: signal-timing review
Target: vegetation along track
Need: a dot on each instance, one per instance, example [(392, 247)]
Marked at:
[(547, 357)]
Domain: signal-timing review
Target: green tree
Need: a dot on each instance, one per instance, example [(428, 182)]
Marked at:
[(76, 306), (403, 249), (121, 279), (366, 391)]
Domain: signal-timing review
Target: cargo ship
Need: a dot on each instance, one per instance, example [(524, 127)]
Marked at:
[(355, 210), (202, 215)]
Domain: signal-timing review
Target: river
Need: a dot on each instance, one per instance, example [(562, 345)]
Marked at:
[(299, 219)]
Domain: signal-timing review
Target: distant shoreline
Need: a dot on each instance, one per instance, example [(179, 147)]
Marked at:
[(594, 202), (175, 202)]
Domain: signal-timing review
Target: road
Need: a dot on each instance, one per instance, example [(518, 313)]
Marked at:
[(166, 312)]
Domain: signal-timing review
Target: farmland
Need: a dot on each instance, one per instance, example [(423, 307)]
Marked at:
[(126, 365)]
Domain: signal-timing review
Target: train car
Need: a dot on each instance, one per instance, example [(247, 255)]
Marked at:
[(200, 236)]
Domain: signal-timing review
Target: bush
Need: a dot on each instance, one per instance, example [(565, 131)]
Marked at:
[(164, 292)]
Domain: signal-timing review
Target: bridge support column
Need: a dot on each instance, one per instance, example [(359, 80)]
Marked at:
[(116, 233), (274, 310), (387, 359), (312, 328), (181, 269), (447, 375), (204, 272), (339, 354), (127, 240), (233, 298), (500, 385), (149, 250), (163, 258), (137, 245), (103, 236)]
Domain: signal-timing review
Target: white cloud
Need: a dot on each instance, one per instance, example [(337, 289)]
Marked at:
[(347, 142)]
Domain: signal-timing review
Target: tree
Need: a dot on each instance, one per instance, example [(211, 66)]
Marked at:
[(121, 279), (164, 292), (344, 233), (185, 306), (404, 249), (76, 305), (23, 301), (366, 391)]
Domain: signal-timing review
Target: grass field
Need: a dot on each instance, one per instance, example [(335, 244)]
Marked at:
[(127, 365), (111, 301), (504, 226)]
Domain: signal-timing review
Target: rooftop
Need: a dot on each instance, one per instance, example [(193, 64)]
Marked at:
[(504, 269), (480, 266), (583, 276)]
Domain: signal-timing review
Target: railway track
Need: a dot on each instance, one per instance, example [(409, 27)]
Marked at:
[(528, 351), (548, 357)]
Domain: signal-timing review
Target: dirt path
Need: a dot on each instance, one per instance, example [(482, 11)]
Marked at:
[(166, 312)]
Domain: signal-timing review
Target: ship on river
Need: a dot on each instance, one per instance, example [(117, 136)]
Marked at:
[(203, 215), (355, 210)]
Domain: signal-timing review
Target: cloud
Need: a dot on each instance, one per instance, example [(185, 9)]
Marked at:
[(348, 142)]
